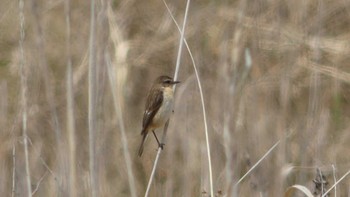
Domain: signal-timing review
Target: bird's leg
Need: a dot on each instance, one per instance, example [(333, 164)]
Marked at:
[(161, 145)]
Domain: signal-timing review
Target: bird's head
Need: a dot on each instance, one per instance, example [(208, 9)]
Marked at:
[(166, 81)]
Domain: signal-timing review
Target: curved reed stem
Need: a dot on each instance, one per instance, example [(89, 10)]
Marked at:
[(175, 78), (202, 102)]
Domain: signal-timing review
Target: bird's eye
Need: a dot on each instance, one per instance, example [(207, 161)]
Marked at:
[(167, 81)]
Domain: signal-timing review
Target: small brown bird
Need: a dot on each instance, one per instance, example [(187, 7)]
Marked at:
[(159, 106)]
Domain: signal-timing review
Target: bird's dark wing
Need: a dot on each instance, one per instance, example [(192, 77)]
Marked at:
[(153, 103)]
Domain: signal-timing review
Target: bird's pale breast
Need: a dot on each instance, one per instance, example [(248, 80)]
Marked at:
[(165, 110)]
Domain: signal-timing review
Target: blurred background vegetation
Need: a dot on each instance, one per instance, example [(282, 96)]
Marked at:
[(270, 70)]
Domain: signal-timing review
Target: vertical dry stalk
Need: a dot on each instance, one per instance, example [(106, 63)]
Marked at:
[(282, 124), (70, 108), (313, 110), (13, 169), (117, 83), (49, 90), (117, 107), (233, 84), (24, 97), (334, 179), (3, 103), (91, 113), (45, 73)]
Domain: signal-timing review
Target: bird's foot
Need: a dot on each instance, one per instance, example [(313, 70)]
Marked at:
[(161, 145)]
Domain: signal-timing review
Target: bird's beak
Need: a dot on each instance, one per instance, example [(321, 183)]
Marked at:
[(175, 82)]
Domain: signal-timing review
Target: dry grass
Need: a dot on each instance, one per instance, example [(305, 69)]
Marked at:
[(297, 90)]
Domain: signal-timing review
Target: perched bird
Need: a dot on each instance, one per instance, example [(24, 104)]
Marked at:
[(159, 105)]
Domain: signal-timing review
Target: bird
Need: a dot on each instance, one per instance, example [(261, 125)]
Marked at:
[(158, 108)]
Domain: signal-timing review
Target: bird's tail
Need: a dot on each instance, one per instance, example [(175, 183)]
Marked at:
[(144, 136)]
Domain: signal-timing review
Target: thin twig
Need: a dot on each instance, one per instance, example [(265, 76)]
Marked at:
[(43, 161), (49, 169), (202, 102), (39, 182), (24, 96), (257, 163), (336, 183), (175, 78)]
